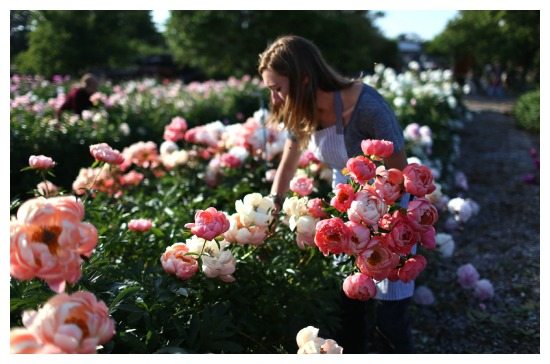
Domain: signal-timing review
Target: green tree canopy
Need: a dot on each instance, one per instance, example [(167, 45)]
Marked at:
[(510, 37), (223, 43), (75, 41)]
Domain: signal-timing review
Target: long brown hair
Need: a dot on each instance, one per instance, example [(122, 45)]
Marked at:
[(302, 62)]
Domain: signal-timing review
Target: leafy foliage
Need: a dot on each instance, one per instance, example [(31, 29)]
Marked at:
[(223, 43), (527, 111)]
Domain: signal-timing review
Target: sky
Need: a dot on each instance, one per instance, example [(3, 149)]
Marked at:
[(426, 23)]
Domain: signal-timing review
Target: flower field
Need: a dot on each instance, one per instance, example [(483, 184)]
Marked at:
[(143, 225)]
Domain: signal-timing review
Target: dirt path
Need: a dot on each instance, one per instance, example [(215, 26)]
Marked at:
[(502, 242)]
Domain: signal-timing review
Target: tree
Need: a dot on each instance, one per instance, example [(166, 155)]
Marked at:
[(509, 37), (223, 43), (19, 31), (76, 41)]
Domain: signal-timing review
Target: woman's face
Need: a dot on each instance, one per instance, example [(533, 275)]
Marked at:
[(278, 85)]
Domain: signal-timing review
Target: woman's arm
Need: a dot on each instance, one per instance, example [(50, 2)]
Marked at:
[(286, 170)]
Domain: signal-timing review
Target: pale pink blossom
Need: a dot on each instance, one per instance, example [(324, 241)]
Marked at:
[(176, 260), (302, 185), (217, 259), (367, 207), (361, 169), (483, 290), (309, 343), (467, 275), (209, 223), (423, 296), (131, 178), (445, 244), (228, 160), (76, 323), (332, 236), (47, 189), (140, 225), (104, 153), (47, 239), (418, 180), (175, 131), (41, 162), (359, 286), (270, 175), (377, 149), (22, 341)]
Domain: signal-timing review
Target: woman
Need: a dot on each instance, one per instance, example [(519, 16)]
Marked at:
[(333, 114)]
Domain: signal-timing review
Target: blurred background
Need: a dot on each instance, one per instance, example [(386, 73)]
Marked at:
[(480, 46)]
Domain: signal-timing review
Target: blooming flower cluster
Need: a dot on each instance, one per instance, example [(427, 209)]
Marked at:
[(310, 343), (468, 278), (250, 224), (367, 222)]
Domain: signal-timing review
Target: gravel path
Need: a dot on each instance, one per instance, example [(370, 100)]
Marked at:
[(502, 242)]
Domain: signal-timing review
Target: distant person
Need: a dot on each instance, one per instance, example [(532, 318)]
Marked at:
[(78, 98)]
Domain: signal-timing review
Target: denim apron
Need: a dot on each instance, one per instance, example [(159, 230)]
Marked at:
[(328, 145)]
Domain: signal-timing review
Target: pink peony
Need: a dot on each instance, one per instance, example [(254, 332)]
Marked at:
[(344, 195), (359, 287), (483, 290), (47, 189), (402, 236), (412, 268), (467, 275), (175, 131), (360, 238), (315, 208), (176, 261), (41, 162), (377, 149), (361, 169), (131, 178), (47, 240), (104, 153), (228, 160), (418, 180), (427, 238), (209, 223), (378, 260), (140, 225), (76, 323), (367, 208), (302, 185), (22, 341), (421, 213), (332, 236), (388, 184)]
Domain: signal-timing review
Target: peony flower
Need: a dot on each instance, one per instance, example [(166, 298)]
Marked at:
[(412, 268), (361, 169), (445, 244), (378, 260), (421, 213), (22, 341), (309, 343), (315, 208), (467, 275), (367, 208), (423, 296), (41, 162), (483, 290), (359, 286), (104, 153), (47, 239), (209, 223), (302, 185), (176, 260), (418, 180), (76, 323), (332, 236), (140, 225), (343, 197), (377, 149), (217, 261), (388, 184), (47, 189)]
